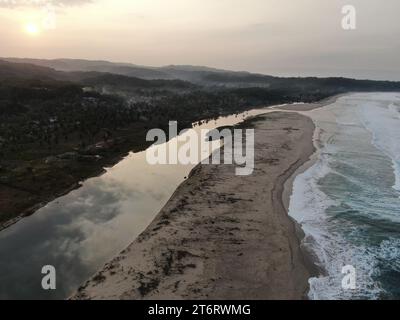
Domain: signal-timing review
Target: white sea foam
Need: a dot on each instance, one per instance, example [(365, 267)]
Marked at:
[(395, 109), (308, 204), (382, 119), (308, 207)]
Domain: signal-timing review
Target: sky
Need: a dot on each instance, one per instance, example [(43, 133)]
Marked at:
[(277, 37)]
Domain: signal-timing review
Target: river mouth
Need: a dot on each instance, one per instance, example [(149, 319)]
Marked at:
[(79, 232)]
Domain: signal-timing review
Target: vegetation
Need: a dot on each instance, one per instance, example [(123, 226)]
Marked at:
[(58, 128)]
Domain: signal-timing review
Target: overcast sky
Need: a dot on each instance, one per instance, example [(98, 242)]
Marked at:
[(278, 37)]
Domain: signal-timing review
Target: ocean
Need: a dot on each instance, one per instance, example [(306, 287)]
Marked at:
[(348, 201)]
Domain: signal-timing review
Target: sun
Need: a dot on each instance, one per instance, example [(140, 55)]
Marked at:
[(32, 29)]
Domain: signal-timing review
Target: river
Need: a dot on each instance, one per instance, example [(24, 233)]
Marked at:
[(79, 232)]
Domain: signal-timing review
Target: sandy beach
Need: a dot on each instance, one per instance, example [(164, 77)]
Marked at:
[(222, 236)]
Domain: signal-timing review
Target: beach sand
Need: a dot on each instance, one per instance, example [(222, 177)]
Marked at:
[(311, 106), (222, 236)]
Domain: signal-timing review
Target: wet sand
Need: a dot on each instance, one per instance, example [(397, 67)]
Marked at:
[(222, 236)]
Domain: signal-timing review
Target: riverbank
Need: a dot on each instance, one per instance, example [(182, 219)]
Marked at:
[(30, 188), (222, 236), (34, 184), (28, 185)]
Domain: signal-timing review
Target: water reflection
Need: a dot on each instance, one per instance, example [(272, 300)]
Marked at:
[(82, 230)]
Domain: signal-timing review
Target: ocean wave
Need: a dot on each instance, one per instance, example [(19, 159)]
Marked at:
[(344, 204), (308, 206), (383, 121), (395, 109)]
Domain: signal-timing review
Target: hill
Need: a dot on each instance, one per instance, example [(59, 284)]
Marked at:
[(100, 72)]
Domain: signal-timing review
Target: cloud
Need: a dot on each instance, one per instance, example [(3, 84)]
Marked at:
[(41, 3)]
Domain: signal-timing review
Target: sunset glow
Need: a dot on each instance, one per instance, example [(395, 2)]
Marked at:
[(261, 37), (32, 29)]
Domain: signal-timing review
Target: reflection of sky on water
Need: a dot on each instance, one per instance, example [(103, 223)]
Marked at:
[(79, 232)]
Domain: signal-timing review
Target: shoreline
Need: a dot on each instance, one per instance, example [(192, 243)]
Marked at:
[(107, 283), (310, 257), (303, 109)]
